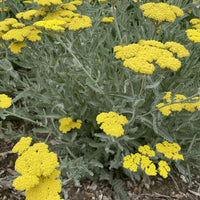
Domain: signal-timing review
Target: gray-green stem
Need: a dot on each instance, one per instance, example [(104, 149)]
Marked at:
[(113, 9)]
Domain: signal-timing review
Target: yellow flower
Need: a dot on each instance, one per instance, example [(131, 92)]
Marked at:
[(69, 6), (139, 57), (47, 189), (6, 24), (137, 1), (27, 2), (66, 124), (101, 1), (48, 2), (18, 25), (107, 19), (170, 150), (177, 106), (161, 11), (28, 15), (112, 123), (134, 160), (163, 168), (76, 2), (146, 151), (5, 9), (25, 182), (22, 145), (5, 101), (79, 22), (16, 47), (37, 168), (54, 25), (193, 35), (29, 32)]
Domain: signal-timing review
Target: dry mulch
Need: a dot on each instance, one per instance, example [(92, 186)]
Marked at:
[(159, 189)]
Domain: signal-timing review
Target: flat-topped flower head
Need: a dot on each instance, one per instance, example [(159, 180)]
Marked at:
[(176, 105), (145, 150), (112, 123), (48, 2), (161, 11), (142, 56), (22, 145), (170, 150), (67, 124), (194, 34), (54, 25), (163, 168), (136, 160), (37, 167), (5, 101)]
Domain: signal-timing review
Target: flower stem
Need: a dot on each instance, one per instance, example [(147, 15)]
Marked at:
[(144, 78), (113, 9)]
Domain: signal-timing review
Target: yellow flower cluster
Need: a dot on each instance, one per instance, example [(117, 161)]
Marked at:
[(194, 34), (101, 1), (30, 14), (5, 101), (161, 11), (107, 19), (134, 160), (64, 17), (163, 168), (176, 105), (37, 168), (53, 24), (66, 124), (139, 57), (27, 2), (137, 1), (112, 123), (146, 151), (12, 30), (170, 150), (57, 18), (76, 2), (48, 2)]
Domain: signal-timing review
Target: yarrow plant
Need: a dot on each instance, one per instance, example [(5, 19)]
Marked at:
[(65, 74), (37, 167)]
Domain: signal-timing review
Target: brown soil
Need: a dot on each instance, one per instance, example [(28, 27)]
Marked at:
[(159, 189)]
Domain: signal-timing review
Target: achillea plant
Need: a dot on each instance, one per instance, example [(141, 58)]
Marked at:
[(37, 168), (66, 62)]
